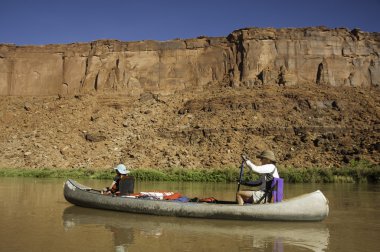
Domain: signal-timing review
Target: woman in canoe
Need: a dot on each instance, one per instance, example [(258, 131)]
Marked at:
[(120, 180), (267, 171)]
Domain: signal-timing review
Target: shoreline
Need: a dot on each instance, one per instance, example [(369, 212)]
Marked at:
[(355, 172)]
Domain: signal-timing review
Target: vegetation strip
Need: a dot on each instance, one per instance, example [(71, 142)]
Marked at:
[(355, 172)]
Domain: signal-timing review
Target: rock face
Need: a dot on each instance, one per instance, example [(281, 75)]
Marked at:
[(322, 56), (311, 95), (336, 57)]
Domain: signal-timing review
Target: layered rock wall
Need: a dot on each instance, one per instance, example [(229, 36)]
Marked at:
[(251, 56), (311, 55)]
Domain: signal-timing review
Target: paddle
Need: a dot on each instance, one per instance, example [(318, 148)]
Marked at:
[(92, 189), (241, 172)]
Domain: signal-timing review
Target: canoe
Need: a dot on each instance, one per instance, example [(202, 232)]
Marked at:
[(308, 207)]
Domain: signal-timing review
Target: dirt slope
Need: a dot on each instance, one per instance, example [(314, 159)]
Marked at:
[(306, 126)]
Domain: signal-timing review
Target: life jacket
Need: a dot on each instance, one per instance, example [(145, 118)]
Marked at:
[(173, 196), (267, 181), (126, 185)]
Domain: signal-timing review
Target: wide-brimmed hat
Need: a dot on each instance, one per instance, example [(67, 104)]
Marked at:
[(122, 169), (268, 155)]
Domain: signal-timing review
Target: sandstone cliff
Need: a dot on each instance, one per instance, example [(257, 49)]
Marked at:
[(311, 95), (253, 56)]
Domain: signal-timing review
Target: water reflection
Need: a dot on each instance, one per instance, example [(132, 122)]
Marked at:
[(142, 231)]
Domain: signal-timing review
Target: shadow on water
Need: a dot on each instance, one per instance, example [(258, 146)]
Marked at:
[(129, 229)]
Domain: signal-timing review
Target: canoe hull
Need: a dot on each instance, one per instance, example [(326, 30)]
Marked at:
[(308, 207)]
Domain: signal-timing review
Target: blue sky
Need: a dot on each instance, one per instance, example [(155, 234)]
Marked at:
[(41, 22)]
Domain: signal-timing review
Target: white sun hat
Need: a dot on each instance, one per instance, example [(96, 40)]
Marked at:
[(122, 169)]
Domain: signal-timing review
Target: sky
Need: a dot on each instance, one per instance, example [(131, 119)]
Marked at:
[(39, 22)]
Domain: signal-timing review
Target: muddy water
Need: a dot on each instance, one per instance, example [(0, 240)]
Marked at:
[(34, 216)]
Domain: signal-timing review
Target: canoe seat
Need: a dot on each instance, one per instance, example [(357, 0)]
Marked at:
[(277, 189), (126, 185), (273, 193)]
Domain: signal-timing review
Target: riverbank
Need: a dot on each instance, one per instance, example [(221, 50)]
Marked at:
[(305, 125), (355, 172)]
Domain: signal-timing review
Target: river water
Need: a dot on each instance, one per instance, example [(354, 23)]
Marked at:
[(34, 216)]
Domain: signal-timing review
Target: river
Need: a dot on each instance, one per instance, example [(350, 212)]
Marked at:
[(34, 216)]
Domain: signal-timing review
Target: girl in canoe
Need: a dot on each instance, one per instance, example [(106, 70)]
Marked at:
[(267, 171)]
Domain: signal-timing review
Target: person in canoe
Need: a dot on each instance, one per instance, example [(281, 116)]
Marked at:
[(267, 171), (122, 184)]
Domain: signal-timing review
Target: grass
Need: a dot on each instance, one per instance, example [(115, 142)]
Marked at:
[(180, 174), (56, 173), (355, 172)]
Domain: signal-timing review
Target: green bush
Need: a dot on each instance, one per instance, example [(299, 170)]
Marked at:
[(355, 172)]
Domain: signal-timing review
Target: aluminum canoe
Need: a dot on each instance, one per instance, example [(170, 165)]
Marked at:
[(308, 207)]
